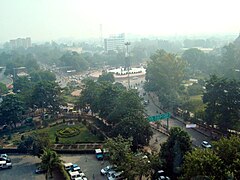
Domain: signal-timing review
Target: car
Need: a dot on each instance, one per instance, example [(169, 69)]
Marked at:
[(4, 156), (67, 166), (99, 154), (206, 144), (109, 173), (116, 176), (75, 167), (40, 170), (5, 165), (163, 178), (106, 169), (74, 175)]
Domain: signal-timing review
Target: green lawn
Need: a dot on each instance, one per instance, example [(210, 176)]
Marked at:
[(84, 136)]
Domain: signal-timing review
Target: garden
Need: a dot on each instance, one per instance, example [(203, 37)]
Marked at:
[(63, 133)]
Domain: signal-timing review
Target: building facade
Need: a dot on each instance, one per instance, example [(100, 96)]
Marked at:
[(114, 43), (20, 43)]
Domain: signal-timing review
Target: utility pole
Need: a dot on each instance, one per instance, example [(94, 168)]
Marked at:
[(128, 61)]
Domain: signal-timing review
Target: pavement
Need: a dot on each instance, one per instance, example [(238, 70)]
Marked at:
[(24, 167)]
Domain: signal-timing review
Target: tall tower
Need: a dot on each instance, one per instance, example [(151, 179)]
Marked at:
[(100, 35), (128, 62)]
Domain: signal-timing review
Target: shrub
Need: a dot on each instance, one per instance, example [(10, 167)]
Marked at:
[(67, 132)]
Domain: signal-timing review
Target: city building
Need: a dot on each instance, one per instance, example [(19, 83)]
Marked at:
[(20, 43), (114, 42)]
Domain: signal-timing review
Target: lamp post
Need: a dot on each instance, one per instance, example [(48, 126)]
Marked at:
[(128, 60)]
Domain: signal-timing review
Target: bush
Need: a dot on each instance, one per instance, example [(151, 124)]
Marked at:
[(67, 132)]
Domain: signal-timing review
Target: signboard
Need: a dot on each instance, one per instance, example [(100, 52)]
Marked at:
[(159, 117)]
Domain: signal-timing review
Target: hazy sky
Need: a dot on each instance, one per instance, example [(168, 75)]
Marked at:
[(54, 19)]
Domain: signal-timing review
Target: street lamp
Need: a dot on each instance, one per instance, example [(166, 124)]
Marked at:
[(127, 57)]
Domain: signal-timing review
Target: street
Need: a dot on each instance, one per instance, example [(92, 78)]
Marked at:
[(153, 109)]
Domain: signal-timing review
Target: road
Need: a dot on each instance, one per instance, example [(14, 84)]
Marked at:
[(152, 109)]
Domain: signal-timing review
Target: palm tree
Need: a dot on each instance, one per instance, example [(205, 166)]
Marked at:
[(50, 161)]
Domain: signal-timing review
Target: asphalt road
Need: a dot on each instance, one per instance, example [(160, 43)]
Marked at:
[(152, 110)]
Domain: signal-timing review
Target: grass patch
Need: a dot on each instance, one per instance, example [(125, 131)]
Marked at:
[(84, 134)]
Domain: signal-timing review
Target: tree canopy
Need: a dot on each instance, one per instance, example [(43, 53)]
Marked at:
[(220, 162), (173, 151), (222, 102), (11, 110), (164, 76)]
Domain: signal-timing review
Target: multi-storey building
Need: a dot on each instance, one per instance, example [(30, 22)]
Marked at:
[(20, 42), (114, 42)]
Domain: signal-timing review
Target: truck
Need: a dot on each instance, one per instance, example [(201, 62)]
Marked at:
[(99, 154)]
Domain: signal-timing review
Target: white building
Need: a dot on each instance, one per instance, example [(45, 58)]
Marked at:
[(20, 42), (114, 42)]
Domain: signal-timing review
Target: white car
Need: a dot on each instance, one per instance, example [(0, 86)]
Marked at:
[(105, 170), (206, 144), (116, 176)]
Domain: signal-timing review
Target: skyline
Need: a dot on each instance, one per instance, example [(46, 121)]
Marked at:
[(44, 20)]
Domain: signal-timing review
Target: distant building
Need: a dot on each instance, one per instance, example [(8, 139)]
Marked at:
[(114, 42), (20, 43)]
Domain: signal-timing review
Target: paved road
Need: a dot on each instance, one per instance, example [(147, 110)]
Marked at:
[(152, 109)]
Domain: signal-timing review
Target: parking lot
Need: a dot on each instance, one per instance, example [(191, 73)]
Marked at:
[(24, 167)]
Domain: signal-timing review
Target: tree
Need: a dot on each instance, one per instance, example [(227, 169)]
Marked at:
[(221, 162), (134, 126), (109, 77), (164, 76), (121, 155), (40, 142), (37, 76), (90, 95), (202, 163), (11, 110), (127, 103), (74, 61), (173, 151), (107, 99), (228, 149), (222, 102), (50, 161), (3, 89), (46, 95), (195, 59)]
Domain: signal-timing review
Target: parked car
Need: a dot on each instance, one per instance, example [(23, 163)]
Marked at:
[(67, 166), (5, 165), (105, 170), (74, 175), (116, 176), (40, 170), (99, 154), (75, 167), (206, 144), (161, 175), (163, 178)]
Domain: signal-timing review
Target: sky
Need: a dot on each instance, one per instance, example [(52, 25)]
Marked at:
[(45, 20)]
